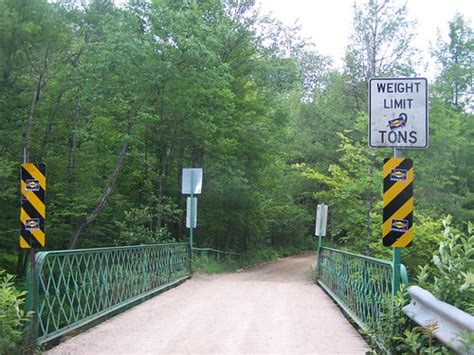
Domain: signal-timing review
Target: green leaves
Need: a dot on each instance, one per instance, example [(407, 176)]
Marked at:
[(456, 58), (12, 316), (184, 84), (453, 279), (215, 85)]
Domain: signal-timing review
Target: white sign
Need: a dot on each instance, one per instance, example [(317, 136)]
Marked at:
[(321, 220), (398, 112), (188, 212), (194, 175)]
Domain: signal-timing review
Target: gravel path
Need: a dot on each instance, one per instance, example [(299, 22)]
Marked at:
[(271, 309)]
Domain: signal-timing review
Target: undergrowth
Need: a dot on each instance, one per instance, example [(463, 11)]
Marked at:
[(12, 315)]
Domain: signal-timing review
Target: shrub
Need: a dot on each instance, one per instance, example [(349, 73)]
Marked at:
[(452, 277), (395, 333), (12, 316)]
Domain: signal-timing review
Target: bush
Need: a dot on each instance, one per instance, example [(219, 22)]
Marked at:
[(212, 265), (452, 277), (395, 333), (12, 316)]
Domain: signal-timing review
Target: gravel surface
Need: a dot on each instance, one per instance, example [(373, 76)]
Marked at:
[(270, 309)]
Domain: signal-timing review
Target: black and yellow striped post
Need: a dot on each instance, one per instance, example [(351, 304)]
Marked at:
[(32, 235), (397, 229), (33, 208)]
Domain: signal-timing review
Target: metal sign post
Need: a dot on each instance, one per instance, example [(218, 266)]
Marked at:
[(191, 184), (191, 217), (320, 228), (396, 252)]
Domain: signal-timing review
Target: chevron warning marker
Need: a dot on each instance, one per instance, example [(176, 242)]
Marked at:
[(33, 208), (397, 228)]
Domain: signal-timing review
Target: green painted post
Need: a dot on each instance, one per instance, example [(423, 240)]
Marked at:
[(320, 240), (191, 224), (32, 304), (191, 214), (396, 260), (144, 271), (396, 252)]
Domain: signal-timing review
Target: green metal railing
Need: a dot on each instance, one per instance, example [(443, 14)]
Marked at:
[(359, 284), (74, 287), (218, 254)]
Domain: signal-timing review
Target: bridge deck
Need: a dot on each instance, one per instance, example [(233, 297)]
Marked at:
[(273, 308)]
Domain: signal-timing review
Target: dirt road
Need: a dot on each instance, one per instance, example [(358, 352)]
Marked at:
[(271, 309)]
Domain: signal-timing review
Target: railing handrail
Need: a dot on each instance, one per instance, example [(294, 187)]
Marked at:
[(218, 251), (43, 254), (360, 256), (403, 270)]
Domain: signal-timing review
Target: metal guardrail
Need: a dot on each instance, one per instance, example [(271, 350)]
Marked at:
[(74, 287), (359, 284), (448, 322)]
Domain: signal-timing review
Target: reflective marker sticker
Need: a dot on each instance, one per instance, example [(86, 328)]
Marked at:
[(400, 225), (398, 175), (32, 185), (32, 224)]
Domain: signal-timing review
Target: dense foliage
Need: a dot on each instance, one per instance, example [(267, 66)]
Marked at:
[(450, 278), (12, 316), (117, 99)]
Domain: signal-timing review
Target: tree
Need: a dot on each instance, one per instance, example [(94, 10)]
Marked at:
[(381, 42), (455, 81), (380, 47)]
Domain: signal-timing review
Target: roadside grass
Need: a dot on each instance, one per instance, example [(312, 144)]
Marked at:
[(210, 264)]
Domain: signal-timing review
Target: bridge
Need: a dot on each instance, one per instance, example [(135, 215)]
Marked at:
[(272, 308)]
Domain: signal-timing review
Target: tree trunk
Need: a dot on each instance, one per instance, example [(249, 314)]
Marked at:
[(145, 172), (179, 197), (29, 122), (160, 182), (331, 218), (105, 195), (21, 262), (72, 146), (370, 203), (159, 221), (49, 126)]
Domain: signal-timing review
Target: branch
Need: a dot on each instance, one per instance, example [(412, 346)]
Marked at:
[(106, 194)]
